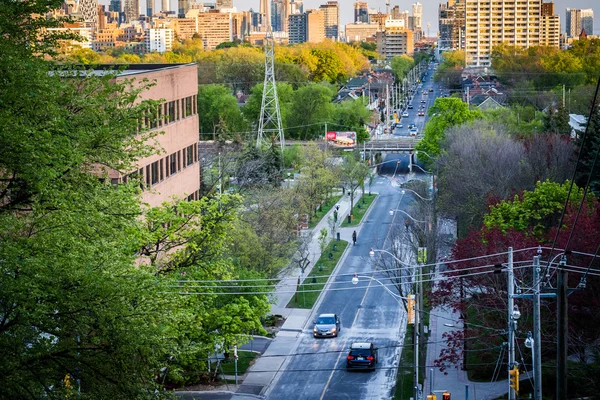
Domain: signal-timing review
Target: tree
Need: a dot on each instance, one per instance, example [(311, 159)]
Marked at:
[(310, 107), (315, 181), (450, 69), (401, 65), (354, 115), (446, 112), (251, 109), (353, 175), (72, 300), (219, 112), (588, 153), (557, 121)]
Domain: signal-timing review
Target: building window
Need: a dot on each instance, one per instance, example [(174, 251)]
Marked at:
[(167, 172), (171, 112), (190, 155), (173, 163), (162, 174), (148, 176), (179, 161), (195, 152), (188, 106), (155, 174)]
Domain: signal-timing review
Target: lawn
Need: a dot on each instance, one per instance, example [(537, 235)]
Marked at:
[(244, 360), (323, 210), (405, 386), (360, 209), (312, 287)]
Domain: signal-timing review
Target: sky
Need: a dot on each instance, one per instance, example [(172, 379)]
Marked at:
[(430, 8)]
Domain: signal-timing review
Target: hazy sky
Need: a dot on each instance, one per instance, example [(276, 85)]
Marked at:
[(429, 9)]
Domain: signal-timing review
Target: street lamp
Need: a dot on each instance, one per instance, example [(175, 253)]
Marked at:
[(408, 215), (397, 297), (418, 195)]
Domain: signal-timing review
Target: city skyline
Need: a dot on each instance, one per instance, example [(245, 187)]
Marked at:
[(430, 9)]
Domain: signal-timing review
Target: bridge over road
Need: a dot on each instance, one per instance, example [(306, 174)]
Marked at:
[(392, 145)]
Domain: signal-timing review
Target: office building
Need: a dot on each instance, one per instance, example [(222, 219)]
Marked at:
[(361, 32), (280, 10), (132, 10), (88, 10), (115, 6), (361, 12), (214, 28), (491, 22), (395, 41), (183, 6), (296, 7), (149, 8), (315, 26), (417, 14), (175, 171), (165, 6), (158, 40), (265, 12), (573, 22), (241, 25), (587, 21), (331, 18), (297, 28)]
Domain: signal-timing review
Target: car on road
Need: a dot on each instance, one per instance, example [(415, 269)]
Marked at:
[(410, 126), (413, 132), (362, 355), (423, 101), (410, 106), (327, 325), (421, 113), (405, 114), (424, 92), (431, 89)]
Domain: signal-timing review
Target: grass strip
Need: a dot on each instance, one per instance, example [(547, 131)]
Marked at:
[(324, 209), (304, 297), (244, 360), (360, 209)]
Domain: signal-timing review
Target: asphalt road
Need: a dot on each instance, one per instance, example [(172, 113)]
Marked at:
[(316, 368)]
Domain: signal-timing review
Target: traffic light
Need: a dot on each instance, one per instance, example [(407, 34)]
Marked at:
[(431, 396), (410, 306), (446, 396), (514, 378)]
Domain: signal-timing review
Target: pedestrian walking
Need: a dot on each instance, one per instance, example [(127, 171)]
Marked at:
[(335, 216), (337, 207), (354, 237)]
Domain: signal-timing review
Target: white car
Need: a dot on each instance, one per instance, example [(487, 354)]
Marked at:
[(405, 114), (413, 132)]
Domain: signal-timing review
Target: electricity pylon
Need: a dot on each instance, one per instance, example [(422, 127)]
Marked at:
[(270, 129)]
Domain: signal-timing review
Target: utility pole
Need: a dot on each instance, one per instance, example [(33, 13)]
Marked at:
[(387, 109), (537, 334), (269, 123), (511, 323), (416, 344), (561, 331), (563, 96)]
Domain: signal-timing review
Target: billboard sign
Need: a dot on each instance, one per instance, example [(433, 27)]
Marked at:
[(342, 139)]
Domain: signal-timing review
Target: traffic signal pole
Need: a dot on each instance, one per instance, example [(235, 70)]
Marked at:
[(537, 332), (511, 306), (561, 331)]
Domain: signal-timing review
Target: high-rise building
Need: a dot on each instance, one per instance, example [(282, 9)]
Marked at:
[(280, 9), (89, 12), (452, 25), (331, 16), (132, 10), (360, 32), (297, 28), (395, 41), (417, 14), (573, 22), (587, 21), (149, 8), (115, 6), (214, 28), (265, 12), (361, 12), (315, 26), (489, 23), (165, 6), (159, 40), (296, 7), (183, 6), (549, 26)]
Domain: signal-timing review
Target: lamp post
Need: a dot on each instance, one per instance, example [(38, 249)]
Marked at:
[(408, 215), (417, 194)]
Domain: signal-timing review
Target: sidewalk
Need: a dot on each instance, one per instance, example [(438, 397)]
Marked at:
[(455, 380)]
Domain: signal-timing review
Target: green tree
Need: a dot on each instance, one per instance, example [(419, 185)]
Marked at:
[(557, 121), (251, 109), (401, 65), (450, 69), (352, 115), (219, 112), (311, 106), (316, 180), (353, 175), (588, 151), (446, 112)]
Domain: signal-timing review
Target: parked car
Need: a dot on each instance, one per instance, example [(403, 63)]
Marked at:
[(327, 325), (362, 356)]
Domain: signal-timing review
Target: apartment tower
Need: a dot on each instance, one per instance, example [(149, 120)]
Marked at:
[(361, 12), (331, 17), (132, 10), (491, 22), (265, 12)]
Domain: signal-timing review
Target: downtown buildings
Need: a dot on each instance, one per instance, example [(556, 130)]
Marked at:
[(577, 21)]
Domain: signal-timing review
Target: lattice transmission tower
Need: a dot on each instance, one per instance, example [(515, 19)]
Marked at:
[(270, 129)]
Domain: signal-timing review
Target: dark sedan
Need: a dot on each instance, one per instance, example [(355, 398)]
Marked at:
[(362, 356)]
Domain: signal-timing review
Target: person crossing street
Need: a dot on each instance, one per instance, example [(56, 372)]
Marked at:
[(354, 237)]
